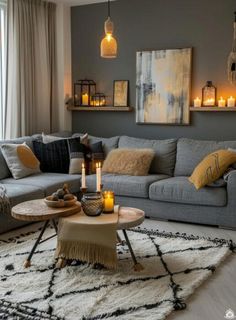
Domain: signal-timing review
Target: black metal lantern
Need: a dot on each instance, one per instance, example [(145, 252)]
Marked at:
[(98, 99), (209, 95), (83, 92)]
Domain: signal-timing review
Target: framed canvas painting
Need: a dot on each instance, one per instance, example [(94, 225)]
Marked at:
[(163, 80), (120, 93)]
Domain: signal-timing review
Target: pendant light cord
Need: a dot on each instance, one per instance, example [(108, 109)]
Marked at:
[(109, 10)]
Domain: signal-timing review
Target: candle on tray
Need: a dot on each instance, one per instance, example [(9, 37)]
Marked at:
[(83, 179), (98, 176), (197, 102), (109, 201), (221, 102), (209, 102), (85, 99), (231, 102)]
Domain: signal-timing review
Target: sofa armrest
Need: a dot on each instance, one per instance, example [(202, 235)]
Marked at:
[(231, 188)]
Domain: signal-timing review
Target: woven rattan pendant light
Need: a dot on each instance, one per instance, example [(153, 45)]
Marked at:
[(108, 44)]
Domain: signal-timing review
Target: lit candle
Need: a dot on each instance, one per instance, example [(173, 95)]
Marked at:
[(83, 179), (85, 99), (109, 201), (209, 102), (197, 102), (231, 102), (98, 176), (221, 102)]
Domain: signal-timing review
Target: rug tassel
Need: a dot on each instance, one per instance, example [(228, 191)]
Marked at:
[(179, 305), (232, 246)]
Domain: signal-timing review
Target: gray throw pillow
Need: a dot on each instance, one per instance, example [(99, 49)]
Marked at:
[(20, 159)]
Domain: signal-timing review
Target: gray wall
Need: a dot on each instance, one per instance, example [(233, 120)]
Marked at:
[(207, 26)]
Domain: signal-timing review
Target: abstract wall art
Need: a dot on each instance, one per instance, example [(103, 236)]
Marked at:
[(163, 80)]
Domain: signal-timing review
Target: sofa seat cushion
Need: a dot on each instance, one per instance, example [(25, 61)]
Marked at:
[(49, 182), (124, 185), (17, 193), (180, 190)]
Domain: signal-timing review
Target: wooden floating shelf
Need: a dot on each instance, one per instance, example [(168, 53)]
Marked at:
[(215, 109), (106, 108)]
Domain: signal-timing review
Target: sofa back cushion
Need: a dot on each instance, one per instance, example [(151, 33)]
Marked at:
[(4, 171), (108, 144), (191, 152), (165, 152)]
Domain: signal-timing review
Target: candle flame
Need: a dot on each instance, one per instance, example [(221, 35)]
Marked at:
[(83, 165)]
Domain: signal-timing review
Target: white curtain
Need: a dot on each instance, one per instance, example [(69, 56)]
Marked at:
[(3, 39), (31, 75)]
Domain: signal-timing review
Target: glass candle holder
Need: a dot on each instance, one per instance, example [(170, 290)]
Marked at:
[(92, 204), (108, 201)]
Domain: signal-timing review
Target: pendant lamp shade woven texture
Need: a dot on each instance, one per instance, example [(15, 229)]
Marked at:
[(108, 44), (109, 47)]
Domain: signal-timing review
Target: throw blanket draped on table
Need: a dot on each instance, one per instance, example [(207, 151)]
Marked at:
[(90, 239), (5, 206)]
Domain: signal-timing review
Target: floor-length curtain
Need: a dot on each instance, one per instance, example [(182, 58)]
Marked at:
[(3, 42), (31, 76)]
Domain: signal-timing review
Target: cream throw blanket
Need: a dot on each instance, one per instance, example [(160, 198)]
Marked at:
[(90, 239), (5, 205)]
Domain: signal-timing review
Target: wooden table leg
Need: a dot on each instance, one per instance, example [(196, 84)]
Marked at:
[(27, 262), (61, 263), (137, 265)]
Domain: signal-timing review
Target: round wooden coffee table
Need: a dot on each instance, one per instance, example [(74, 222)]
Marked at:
[(37, 210)]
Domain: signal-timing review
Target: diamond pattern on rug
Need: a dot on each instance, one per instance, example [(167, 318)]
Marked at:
[(174, 265)]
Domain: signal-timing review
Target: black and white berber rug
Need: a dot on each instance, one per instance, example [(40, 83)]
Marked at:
[(174, 264)]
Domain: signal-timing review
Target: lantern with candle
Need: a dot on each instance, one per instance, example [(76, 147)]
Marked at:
[(108, 201), (209, 95), (83, 92), (98, 99)]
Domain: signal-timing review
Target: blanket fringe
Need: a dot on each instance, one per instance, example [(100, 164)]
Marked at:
[(87, 252), (5, 206)]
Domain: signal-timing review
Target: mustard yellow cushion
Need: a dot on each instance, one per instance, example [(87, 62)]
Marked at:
[(212, 167)]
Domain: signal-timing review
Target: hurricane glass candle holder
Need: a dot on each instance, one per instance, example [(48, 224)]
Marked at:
[(109, 201)]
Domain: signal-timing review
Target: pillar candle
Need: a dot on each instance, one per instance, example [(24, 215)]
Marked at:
[(209, 102), (197, 102), (109, 201), (231, 102), (85, 99), (98, 176), (221, 102), (83, 179)]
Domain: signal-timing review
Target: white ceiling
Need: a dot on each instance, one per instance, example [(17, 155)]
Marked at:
[(78, 2)]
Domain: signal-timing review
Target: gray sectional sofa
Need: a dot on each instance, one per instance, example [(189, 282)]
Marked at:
[(165, 193)]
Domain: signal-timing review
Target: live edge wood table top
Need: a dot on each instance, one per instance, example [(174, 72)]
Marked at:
[(37, 210)]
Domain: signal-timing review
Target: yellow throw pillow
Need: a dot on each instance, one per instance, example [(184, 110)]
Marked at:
[(212, 167), (133, 162)]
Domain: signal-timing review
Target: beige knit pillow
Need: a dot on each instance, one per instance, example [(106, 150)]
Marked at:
[(134, 162)]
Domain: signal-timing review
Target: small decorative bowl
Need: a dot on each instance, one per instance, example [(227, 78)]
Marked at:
[(92, 204), (60, 203)]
